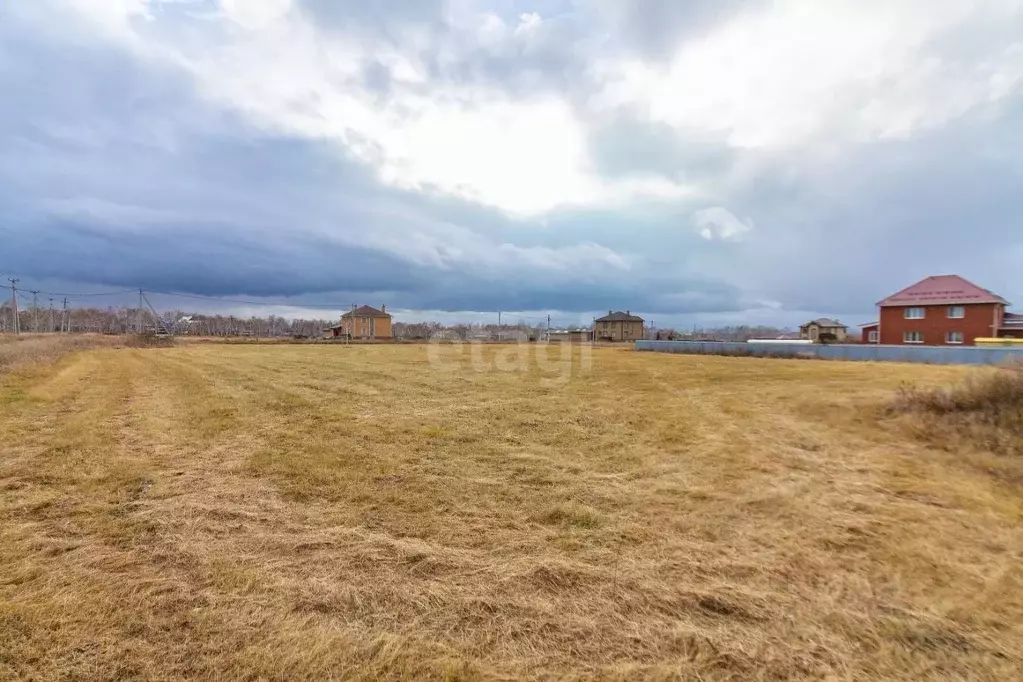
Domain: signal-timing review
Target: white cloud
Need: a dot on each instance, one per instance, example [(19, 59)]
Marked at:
[(798, 77), (450, 247), (255, 14), (800, 72), (528, 26), (526, 156), (721, 224)]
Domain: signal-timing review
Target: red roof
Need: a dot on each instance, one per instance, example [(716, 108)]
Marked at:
[(942, 290)]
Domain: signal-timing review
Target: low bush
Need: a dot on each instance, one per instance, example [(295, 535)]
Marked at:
[(17, 351), (149, 340), (986, 410)]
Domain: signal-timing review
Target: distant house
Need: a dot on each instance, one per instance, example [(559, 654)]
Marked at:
[(619, 326), (942, 310), (365, 322), (869, 333), (823, 329), (570, 335), (1011, 327)]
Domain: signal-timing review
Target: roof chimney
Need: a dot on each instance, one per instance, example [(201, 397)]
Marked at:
[(383, 309), (608, 312), (628, 312)]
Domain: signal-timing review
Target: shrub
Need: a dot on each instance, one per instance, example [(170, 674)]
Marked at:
[(986, 410), (25, 350), (149, 340)]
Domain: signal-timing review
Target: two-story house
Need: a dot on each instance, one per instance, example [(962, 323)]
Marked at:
[(936, 311), (823, 329), (618, 326), (366, 322)]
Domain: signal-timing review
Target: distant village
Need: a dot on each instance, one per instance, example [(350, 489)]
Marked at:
[(941, 310), (936, 311)]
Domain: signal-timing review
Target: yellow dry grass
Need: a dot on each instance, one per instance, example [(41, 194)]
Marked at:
[(331, 512), (21, 350)]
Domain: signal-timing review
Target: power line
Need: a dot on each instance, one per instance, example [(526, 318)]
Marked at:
[(201, 297), (225, 299), (78, 295)]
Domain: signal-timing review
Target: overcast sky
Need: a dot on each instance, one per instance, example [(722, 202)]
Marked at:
[(707, 161)]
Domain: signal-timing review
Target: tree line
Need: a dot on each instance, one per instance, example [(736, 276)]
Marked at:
[(128, 320)]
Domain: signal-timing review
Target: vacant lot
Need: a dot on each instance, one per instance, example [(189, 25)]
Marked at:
[(333, 512)]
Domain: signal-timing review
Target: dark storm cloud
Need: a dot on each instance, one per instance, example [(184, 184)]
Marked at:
[(203, 259)]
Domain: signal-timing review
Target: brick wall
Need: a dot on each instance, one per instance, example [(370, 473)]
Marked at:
[(981, 320)]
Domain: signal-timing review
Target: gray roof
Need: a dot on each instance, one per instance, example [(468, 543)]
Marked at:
[(825, 322), (619, 317)]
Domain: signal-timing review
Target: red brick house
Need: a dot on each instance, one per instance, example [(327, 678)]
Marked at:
[(941, 310)]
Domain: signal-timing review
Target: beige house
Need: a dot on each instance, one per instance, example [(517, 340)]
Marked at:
[(824, 329), (366, 322), (618, 326)]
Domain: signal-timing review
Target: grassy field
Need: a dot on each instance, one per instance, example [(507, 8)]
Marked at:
[(332, 512)]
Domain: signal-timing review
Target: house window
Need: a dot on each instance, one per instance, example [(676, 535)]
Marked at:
[(912, 337), (956, 312), (872, 336), (954, 337), (914, 313)]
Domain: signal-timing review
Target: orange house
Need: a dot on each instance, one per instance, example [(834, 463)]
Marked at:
[(366, 322), (940, 310)]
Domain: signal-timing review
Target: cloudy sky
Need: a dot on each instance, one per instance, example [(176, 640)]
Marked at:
[(706, 161)]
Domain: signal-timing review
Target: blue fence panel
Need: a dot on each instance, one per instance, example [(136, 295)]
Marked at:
[(937, 355)]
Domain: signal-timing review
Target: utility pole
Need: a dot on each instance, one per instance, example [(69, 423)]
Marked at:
[(138, 314), (65, 319), (548, 329), (35, 309), (51, 315), (158, 324), (14, 303)]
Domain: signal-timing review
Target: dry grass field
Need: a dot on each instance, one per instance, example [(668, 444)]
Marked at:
[(329, 512)]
